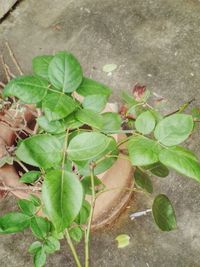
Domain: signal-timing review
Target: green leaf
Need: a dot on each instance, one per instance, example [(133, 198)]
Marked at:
[(34, 247), (62, 193), (40, 150), (86, 183), (40, 227), (196, 113), (14, 222), (95, 102), (90, 118), (58, 106), (35, 200), (158, 169), (26, 206), (83, 215), (30, 89), (40, 65), (71, 122), (51, 245), (30, 177), (123, 240), (91, 87), (143, 151), (129, 99), (145, 122), (53, 127), (40, 258), (143, 181), (87, 145), (111, 122), (174, 129), (163, 213), (181, 160), (76, 233), (65, 72)]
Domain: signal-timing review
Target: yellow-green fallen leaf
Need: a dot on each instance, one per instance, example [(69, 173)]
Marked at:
[(109, 67), (123, 240)]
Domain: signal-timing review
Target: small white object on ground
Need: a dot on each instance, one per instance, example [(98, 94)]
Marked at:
[(137, 214)]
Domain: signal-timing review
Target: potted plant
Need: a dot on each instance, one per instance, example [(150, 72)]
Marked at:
[(68, 140)]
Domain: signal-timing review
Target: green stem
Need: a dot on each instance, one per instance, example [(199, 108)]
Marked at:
[(88, 230), (73, 250)]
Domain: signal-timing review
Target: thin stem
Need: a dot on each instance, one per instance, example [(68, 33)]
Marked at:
[(4, 67), (88, 230), (73, 250), (14, 59), (9, 188), (21, 164)]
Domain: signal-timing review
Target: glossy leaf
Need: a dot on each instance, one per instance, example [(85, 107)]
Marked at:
[(30, 89), (174, 129), (40, 227), (143, 151), (145, 122), (143, 181), (40, 258), (26, 206), (71, 122), (14, 222), (87, 145), (57, 106), (30, 177), (40, 65), (34, 247), (181, 160), (159, 169), (62, 193), (163, 213), (40, 150), (54, 127), (76, 233), (123, 240), (95, 102), (65, 72), (111, 122), (90, 118), (91, 87)]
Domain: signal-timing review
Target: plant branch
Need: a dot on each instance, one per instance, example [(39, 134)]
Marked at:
[(88, 230), (73, 250), (181, 108), (14, 59), (5, 69), (21, 164)]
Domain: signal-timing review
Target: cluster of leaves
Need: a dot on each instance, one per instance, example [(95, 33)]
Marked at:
[(73, 135)]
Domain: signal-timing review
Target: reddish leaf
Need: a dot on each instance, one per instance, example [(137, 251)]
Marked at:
[(139, 91)]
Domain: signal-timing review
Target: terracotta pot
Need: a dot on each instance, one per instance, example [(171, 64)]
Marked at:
[(108, 205)]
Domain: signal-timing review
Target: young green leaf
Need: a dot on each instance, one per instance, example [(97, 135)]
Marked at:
[(95, 102), (51, 245), (143, 151), (182, 160), (143, 181), (40, 65), (76, 233), (145, 122), (34, 247), (62, 193), (83, 215), (35, 200), (14, 222), (123, 240), (40, 258), (57, 106), (30, 177), (40, 150), (71, 122), (111, 122), (26, 206), (158, 169), (86, 183), (30, 89), (65, 72), (87, 145), (163, 213), (53, 127), (40, 227), (129, 99), (174, 129), (91, 87), (90, 118)]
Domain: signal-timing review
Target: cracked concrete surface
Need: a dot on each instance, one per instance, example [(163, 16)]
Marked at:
[(153, 42)]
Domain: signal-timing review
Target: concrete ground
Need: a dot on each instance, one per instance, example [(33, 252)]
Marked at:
[(153, 42)]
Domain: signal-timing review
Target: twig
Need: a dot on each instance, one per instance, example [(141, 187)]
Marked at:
[(2, 84), (14, 59), (181, 108), (9, 71), (4, 67), (28, 188), (21, 164)]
